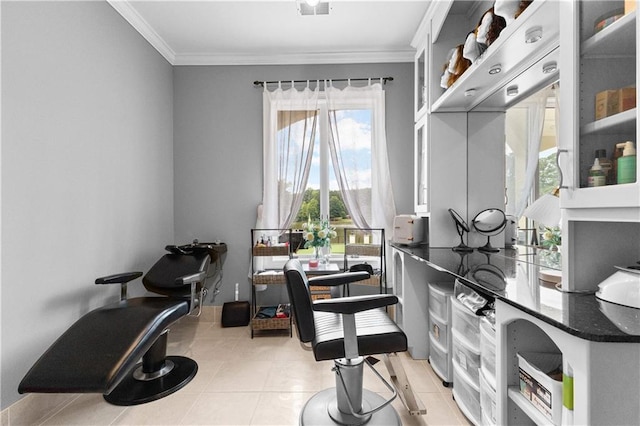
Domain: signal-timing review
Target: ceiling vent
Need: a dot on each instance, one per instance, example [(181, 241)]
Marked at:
[(320, 9)]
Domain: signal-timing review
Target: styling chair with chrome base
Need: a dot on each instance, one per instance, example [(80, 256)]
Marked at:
[(99, 353), (346, 330)]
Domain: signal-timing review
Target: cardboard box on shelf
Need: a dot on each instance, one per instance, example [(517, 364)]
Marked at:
[(544, 392), (629, 6), (606, 102), (610, 102), (627, 98)]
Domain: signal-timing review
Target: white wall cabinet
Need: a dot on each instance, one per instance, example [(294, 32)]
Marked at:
[(608, 215), (421, 75), (603, 60), (421, 167)]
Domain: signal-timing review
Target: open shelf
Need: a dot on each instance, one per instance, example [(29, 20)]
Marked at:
[(623, 122), (526, 406), (510, 51), (614, 40)]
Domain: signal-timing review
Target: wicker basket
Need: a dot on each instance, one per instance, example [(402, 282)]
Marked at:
[(362, 249), (268, 279), (271, 251), (271, 323), (373, 280)]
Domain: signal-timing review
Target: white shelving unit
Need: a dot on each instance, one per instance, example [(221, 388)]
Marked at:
[(510, 51), (440, 351), (610, 216), (594, 375), (466, 360)]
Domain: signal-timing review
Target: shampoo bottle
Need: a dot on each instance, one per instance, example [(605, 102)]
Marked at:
[(607, 166), (617, 153), (627, 163), (596, 175)]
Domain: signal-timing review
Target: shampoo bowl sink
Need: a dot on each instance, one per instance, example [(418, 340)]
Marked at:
[(622, 288)]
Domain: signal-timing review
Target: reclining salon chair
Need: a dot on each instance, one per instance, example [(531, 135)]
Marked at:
[(99, 353), (346, 330)]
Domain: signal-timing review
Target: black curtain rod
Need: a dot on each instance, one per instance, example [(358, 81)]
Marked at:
[(262, 83)]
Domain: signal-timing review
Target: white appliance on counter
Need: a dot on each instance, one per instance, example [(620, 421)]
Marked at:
[(622, 288), (408, 230)]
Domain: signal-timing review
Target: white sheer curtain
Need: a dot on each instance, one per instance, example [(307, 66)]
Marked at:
[(378, 210), (290, 121), (536, 113)]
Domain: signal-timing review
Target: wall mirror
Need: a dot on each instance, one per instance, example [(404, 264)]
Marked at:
[(531, 113)]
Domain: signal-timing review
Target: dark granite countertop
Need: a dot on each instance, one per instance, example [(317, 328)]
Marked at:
[(512, 276)]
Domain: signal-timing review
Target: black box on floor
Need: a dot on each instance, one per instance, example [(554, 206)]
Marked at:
[(235, 314)]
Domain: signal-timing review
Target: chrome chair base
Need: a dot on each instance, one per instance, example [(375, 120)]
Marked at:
[(322, 409)]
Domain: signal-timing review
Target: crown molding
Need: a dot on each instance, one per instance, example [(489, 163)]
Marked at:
[(124, 8), (295, 59)]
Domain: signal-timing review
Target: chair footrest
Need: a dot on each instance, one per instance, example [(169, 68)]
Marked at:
[(400, 381)]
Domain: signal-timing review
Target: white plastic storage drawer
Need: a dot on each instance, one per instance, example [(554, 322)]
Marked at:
[(439, 330), (467, 357), (440, 361), (487, 401), (439, 299), (466, 323), (466, 395), (488, 351)]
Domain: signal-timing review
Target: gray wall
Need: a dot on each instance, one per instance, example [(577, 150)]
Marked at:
[(87, 168), (218, 150)]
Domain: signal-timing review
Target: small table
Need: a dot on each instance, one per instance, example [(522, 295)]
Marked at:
[(330, 268), (318, 291)]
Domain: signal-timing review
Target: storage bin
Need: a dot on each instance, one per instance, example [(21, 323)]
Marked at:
[(488, 351), (487, 401), (467, 357), (439, 295), (439, 329), (536, 384), (466, 395), (466, 323), (440, 360)]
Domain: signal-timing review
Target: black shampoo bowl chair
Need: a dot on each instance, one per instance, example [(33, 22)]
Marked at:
[(99, 353), (346, 330)]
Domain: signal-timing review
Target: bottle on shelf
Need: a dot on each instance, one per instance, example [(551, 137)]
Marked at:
[(627, 163), (596, 175), (617, 153), (607, 166)]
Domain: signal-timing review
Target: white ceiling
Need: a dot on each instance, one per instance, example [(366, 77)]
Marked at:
[(219, 32)]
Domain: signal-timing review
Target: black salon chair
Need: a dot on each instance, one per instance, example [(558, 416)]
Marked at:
[(345, 330), (100, 352)]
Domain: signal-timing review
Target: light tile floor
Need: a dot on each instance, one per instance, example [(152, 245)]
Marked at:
[(244, 381)]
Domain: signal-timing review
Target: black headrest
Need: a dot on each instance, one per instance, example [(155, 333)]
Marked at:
[(173, 266), (362, 267)]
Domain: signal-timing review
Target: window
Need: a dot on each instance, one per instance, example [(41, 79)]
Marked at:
[(325, 156), (323, 197)]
